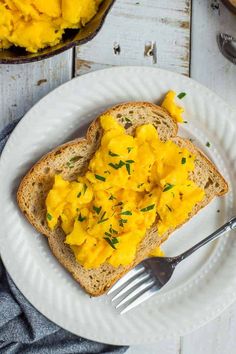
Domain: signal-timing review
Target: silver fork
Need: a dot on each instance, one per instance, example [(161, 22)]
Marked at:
[(149, 276)]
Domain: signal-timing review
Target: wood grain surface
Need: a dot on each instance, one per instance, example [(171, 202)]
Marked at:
[(144, 32)]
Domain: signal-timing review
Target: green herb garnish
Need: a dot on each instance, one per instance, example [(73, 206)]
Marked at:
[(85, 187), (127, 212), (167, 187), (107, 172), (112, 154), (112, 197), (168, 207), (127, 166), (116, 166), (129, 161), (149, 207), (81, 218), (111, 241), (129, 149), (97, 209), (183, 161), (122, 222), (118, 204), (103, 220), (79, 195), (108, 234), (208, 144), (140, 185), (49, 216), (127, 120), (100, 178), (181, 95), (112, 231)]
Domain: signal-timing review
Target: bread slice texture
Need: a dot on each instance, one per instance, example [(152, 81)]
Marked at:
[(39, 180)]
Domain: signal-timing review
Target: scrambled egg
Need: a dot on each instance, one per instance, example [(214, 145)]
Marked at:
[(131, 183), (171, 107), (36, 24)]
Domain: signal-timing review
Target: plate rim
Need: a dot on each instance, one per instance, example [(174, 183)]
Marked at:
[(28, 115)]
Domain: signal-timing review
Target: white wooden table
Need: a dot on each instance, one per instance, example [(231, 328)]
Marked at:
[(178, 35)]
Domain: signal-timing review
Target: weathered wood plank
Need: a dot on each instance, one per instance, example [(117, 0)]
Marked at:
[(144, 32), (171, 346), (207, 63), (23, 85), (217, 337), (209, 67)]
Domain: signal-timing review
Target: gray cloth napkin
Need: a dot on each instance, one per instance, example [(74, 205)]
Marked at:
[(25, 330)]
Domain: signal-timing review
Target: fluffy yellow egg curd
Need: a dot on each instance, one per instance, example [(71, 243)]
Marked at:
[(36, 24), (172, 107), (131, 183)]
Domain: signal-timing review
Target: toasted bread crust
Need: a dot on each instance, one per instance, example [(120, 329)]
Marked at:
[(38, 181)]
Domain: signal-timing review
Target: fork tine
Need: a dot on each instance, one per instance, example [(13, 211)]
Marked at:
[(136, 292), (135, 271), (143, 297), (135, 281)]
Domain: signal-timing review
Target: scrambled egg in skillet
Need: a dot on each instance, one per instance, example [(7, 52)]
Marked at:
[(131, 182), (36, 24)]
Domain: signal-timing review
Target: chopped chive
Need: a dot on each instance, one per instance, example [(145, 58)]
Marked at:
[(208, 144), (183, 161), (79, 195), (112, 154), (77, 209), (168, 207), (81, 218), (129, 161), (122, 222), (167, 187), (118, 204), (49, 216), (111, 242), (140, 185), (149, 207), (100, 178), (85, 187), (75, 158), (181, 95), (127, 168), (107, 172), (104, 213), (126, 213), (97, 209), (103, 220), (108, 234), (112, 231), (127, 120), (116, 166), (129, 149), (112, 197), (185, 122)]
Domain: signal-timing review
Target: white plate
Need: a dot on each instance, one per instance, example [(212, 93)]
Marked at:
[(203, 285)]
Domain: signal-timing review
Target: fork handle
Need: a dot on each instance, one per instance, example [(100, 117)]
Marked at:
[(230, 225)]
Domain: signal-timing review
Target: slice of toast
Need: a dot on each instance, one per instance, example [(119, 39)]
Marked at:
[(39, 180)]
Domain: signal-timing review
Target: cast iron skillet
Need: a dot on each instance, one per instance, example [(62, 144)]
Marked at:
[(16, 55)]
